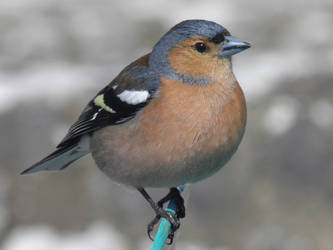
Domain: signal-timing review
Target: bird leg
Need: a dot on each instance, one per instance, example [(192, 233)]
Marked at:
[(160, 212), (174, 195)]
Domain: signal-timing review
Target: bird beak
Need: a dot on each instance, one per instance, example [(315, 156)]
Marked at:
[(232, 46)]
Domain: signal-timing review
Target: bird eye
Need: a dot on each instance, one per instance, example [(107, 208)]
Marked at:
[(200, 47)]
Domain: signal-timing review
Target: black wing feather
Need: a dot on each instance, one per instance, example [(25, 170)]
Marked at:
[(95, 117)]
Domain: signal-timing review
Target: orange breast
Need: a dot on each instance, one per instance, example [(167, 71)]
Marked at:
[(189, 120), (184, 135)]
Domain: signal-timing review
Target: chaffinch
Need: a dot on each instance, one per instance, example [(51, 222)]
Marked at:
[(174, 116)]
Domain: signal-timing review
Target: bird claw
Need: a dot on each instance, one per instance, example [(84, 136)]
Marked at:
[(170, 237), (171, 217), (151, 226)]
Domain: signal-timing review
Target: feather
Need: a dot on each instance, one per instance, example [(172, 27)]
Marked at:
[(108, 108), (62, 157)]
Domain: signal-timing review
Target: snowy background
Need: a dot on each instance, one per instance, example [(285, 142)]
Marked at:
[(275, 194)]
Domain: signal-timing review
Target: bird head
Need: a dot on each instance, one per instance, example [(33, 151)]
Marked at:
[(192, 50)]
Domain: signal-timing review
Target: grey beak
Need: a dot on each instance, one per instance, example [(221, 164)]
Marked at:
[(233, 46)]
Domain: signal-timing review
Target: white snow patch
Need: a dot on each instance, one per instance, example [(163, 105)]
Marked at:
[(99, 236), (53, 83), (134, 96), (281, 115), (260, 74)]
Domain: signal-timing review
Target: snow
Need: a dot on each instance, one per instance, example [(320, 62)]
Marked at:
[(53, 83), (259, 70), (268, 70), (34, 33), (99, 236), (281, 115)]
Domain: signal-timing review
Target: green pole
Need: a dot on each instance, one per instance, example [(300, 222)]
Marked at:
[(165, 226)]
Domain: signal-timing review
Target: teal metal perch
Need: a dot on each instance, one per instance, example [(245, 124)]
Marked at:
[(165, 226)]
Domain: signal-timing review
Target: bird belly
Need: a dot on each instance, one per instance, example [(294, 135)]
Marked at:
[(183, 142)]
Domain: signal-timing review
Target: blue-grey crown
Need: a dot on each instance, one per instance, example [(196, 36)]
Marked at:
[(159, 61)]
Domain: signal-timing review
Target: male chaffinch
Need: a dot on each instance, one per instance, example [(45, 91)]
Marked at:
[(174, 116)]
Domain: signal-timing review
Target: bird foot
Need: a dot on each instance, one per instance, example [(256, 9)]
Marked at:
[(171, 217)]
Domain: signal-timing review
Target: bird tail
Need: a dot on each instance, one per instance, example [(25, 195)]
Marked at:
[(62, 157)]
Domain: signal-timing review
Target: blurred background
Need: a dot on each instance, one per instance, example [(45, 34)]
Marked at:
[(276, 192)]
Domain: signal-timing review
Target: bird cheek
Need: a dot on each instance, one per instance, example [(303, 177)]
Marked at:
[(185, 63)]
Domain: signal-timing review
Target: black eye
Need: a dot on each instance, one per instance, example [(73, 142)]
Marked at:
[(200, 47)]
